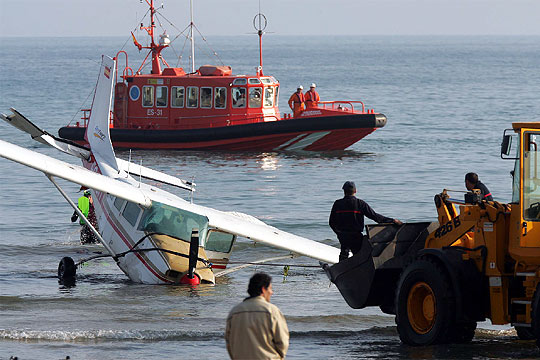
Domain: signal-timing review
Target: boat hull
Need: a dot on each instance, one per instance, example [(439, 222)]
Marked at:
[(323, 133)]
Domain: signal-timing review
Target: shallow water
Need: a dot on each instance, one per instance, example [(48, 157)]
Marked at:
[(447, 100)]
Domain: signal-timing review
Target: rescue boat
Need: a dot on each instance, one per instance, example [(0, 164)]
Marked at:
[(209, 108)]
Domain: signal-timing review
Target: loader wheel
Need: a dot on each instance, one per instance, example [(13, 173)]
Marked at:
[(424, 305), (535, 315)]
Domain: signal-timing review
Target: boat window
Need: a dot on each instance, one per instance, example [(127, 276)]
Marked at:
[(206, 97), (192, 97), (177, 96), (131, 213), (161, 96), (254, 81), (168, 220), (240, 81), (255, 97), (219, 241), (276, 95), (266, 81), (238, 97), (118, 203), (220, 99), (148, 96), (269, 96)]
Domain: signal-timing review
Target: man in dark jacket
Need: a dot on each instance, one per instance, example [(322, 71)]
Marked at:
[(347, 220), (472, 182)]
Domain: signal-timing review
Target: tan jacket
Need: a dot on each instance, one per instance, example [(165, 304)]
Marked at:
[(256, 329)]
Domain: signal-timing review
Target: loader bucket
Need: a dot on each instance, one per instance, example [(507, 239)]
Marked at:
[(353, 276), (370, 276)]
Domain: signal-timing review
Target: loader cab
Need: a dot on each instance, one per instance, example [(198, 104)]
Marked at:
[(525, 214)]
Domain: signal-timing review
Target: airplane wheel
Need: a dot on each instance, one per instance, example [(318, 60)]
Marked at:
[(424, 305), (67, 269), (535, 316)]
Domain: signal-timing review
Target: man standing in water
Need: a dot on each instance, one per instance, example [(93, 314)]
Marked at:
[(86, 206), (256, 329), (347, 220)]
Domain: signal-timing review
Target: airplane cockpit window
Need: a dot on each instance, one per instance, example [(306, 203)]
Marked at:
[(131, 213), (531, 177), (255, 97), (219, 241), (165, 219), (118, 203)]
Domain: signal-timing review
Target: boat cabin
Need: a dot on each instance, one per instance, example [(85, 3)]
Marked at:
[(210, 97)]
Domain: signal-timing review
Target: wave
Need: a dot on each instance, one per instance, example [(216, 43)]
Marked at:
[(107, 335)]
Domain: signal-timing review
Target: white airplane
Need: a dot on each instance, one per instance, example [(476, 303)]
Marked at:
[(154, 236)]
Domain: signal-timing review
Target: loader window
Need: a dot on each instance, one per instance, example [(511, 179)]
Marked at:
[(516, 181), (168, 220), (531, 177)]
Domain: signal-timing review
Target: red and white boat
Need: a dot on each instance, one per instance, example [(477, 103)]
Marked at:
[(210, 108)]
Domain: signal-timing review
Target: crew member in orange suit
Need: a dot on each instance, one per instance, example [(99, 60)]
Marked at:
[(296, 101), (312, 97)]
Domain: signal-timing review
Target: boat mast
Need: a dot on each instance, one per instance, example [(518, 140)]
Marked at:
[(155, 49), (262, 22), (192, 38)]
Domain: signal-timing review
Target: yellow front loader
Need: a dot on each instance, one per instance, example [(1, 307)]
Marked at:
[(481, 262)]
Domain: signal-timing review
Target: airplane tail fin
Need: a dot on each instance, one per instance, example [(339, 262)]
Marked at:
[(97, 132)]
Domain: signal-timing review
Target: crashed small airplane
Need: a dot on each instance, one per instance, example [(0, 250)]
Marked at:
[(154, 236)]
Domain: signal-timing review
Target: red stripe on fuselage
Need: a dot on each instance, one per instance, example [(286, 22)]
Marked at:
[(109, 220)]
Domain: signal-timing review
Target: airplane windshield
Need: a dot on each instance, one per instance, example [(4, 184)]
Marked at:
[(168, 220)]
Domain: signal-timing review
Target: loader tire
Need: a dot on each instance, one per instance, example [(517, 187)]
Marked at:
[(535, 315), (425, 304)]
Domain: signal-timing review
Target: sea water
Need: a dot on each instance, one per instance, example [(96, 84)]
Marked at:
[(447, 99)]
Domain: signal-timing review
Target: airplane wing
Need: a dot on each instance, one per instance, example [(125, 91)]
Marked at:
[(254, 229), (155, 175), (73, 173), (19, 121)]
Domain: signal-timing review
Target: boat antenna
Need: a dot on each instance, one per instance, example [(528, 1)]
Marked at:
[(259, 23), (155, 49), (191, 37)]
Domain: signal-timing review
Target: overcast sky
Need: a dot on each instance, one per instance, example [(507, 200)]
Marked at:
[(286, 17)]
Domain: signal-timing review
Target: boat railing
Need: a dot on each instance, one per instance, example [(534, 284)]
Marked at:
[(341, 105), (86, 117), (128, 71)]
